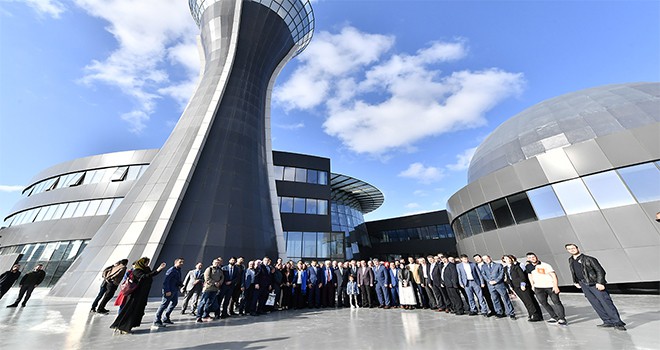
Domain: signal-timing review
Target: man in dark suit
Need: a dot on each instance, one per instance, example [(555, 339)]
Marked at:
[(329, 282), (382, 277), (8, 278), (365, 280), (314, 284), (449, 276), (436, 279), (240, 264), (232, 276), (341, 274), (263, 281)]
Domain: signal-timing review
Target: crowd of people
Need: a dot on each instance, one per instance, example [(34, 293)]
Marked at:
[(442, 283)]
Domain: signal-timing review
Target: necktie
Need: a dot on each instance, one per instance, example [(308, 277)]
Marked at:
[(231, 272)]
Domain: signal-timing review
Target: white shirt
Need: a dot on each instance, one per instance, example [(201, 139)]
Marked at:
[(468, 271)]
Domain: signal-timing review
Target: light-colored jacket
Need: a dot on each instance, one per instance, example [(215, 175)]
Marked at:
[(213, 278), (192, 282), (414, 269)]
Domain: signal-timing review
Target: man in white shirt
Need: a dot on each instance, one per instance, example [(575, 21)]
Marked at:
[(544, 284)]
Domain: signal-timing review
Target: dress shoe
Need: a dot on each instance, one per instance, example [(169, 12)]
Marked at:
[(535, 319), (223, 316), (103, 311), (199, 320), (386, 307), (92, 310), (473, 314), (500, 316), (513, 317), (13, 305), (168, 321), (620, 328), (605, 325)]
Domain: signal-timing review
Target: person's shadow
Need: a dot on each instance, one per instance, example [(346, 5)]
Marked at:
[(235, 345)]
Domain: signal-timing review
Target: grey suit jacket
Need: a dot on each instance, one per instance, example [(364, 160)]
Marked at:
[(189, 282)]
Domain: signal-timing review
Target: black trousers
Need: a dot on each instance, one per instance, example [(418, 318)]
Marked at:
[(109, 293), (456, 302), (328, 295), (24, 291), (532, 306), (440, 302), (298, 299), (342, 297), (365, 290), (431, 296), (556, 311), (602, 303)]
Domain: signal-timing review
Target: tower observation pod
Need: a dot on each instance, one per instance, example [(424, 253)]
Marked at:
[(210, 190)]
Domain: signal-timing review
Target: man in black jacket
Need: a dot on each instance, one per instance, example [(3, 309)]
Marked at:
[(8, 278), (28, 283), (450, 281), (589, 276)]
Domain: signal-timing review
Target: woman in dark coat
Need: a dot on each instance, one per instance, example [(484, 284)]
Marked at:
[(517, 279), (134, 304)]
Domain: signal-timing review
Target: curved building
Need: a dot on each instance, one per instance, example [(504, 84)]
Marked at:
[(65, 206), (210, 189), (580, 168)]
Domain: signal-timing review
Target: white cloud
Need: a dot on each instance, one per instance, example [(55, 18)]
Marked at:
[(153, 36), (423, 174), (11, 188), (52, 8), (462, 160), (293, 126), (376, 103), (412, 205)]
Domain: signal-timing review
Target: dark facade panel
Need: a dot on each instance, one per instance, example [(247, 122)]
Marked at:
[(306, 223), (301, 161)]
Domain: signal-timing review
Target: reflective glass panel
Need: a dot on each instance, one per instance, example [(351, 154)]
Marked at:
[(289, 174), (643, 180), (278, 171), (521, 208), (115, 204), (119, 174), (324, 245), (467, 230), (299, 205), (80, 211), (89, 175), (322, 208), (76, 179), (473, 220), (286, 205), (59, 211), (574, 197), (41, 214), (312, 176), (104, 208), (608, 190), (309, 244), (301, 175), (133, 172), (70, 209), (502, 213), (93, 207), (49, 213), (311, 206), (294, 244), (486, 217), (545, 202), (323, 178)]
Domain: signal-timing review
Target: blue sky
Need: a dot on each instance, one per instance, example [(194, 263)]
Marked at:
[(396, 93)]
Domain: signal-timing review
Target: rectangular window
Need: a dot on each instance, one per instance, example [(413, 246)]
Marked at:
[(643, 180), (60, 210), (49, 213), (309, 244), (467, 230), (322, 208), (311, 206), (77, 179), (133, 173), (299, 205), (501, 212), (608, 190), (312, 176), (301, 175), (104, 208), (323, 178), (521, 208), (294, 244), (286, 205), (278, 171), (99, 174), (289, 174), (115, 204), (82, 207), (64, 180), (119, 174), (486, 217), (545, 203), (93, 207), (473, 219), (70, 209), (41, 214), (324, 245), (53, 185), (574, 197)]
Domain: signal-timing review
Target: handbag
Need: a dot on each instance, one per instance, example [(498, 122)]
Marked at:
[(271, 299), (128, 285)]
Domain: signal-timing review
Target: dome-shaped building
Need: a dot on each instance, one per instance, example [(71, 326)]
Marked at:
[(579, 168)]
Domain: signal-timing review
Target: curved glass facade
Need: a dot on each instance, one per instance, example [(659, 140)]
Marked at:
[(614, 188), (413, 234), (296, 174), (55, 256), (314, 245), (350, 221), (86, 177), (65, 211)]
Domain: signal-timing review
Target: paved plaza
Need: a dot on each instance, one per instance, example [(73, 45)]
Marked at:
[(59, 324)]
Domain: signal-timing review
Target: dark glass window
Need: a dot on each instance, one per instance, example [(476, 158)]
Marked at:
[(299, 205), (286, 205), (458, 229), (294, 244), (467, 230), (502, 213), (311, 206), (309, 244), (301, 175), (486, 218), (323, 178), (312, 176), (473, 219), (521, 208)]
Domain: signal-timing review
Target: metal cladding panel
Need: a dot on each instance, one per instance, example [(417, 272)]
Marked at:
[(532, 238), (490, 188), (648, 138), (632, 153), (508, 181), (558, 232), (587, 157), (510, 240), (639, 257), (617, 265), (476, 193), (651, 209), (530, 173), (556, 165), (593, 231), (493, 244), (632, 227)]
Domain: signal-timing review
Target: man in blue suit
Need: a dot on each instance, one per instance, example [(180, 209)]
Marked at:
[(233, 276), (383, 285), (493, 274), (470, 278), (314, 283)]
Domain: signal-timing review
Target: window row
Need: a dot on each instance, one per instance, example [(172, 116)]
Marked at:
[(112, 174), (303, 206), (614, 188), (56, 257), (65, 211), (309, 176), (314, 245), (415, 233)]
